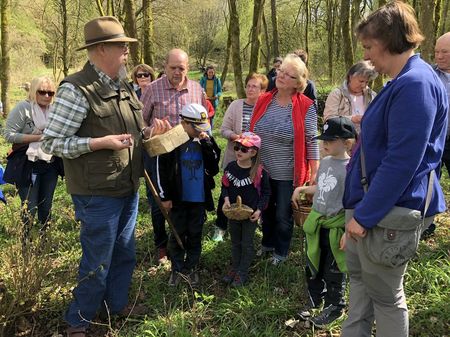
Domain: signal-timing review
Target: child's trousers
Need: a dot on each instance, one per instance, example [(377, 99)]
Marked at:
[(242, 234), (188, 219)]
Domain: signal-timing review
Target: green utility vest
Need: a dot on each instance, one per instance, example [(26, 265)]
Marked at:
[(106, 172)]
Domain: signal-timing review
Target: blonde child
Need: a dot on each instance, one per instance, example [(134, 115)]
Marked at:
[(244, 177), (325, 224)]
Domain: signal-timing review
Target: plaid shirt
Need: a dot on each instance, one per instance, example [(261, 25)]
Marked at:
[(162, 100), (65, 117)]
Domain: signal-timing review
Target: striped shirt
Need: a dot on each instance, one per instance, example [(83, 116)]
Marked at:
[(65, 117), (247, 111), (162, 100), (277, 139)]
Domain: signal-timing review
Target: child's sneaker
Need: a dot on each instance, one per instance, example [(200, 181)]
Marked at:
[(275, 261), (327, 316), (194, 278), (305, 313), (218, 234), (162, 255), (228, 278), (239, 280)]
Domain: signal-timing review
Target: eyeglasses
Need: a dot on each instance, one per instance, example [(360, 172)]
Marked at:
[(45, 92), (142, 75), (241, 148), (284, 73), (121, 45)]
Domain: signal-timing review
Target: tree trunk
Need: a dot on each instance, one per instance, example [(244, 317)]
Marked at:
[(267, 40), (258, 9), (147, 33), (130, 29), (223, 77), (427, 24), (65, 30), (307, 17), (355, 17), (236, 48), (378, 83), (5, 65), (273, 6), (444, 17), (101, 12), (346, 34), (330, 23), (437, 18)]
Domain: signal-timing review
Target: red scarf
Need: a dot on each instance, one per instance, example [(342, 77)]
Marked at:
[(300, 105)]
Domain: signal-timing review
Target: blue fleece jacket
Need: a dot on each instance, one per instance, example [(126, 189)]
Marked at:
[(403, 136)]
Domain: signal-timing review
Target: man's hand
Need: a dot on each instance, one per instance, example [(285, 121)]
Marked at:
[(255, 216), (158, 127), (354, 230), (111, 142), (167, 205)]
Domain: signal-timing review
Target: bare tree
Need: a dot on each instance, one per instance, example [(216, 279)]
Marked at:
[(444, 17), (5, 11), (235, 48), (223, 77), (258, 10)]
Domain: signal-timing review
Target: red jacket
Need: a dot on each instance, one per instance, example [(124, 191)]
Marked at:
[(300, 105)]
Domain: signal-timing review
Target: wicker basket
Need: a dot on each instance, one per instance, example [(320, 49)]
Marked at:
[(166, 142), (300, 214), (238, 211)]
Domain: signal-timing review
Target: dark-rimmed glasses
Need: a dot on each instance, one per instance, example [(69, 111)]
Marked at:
[(46, 92), (241, 148)]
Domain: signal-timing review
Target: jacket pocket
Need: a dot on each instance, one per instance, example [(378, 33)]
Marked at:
[(102, 175)]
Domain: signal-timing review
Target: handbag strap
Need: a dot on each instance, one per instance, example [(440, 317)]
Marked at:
[(365, 181)]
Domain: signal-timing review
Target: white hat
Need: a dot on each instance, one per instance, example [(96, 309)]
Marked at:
[(197, 115)]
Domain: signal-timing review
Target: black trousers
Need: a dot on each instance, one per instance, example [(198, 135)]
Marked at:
[(329, 283), (188, 219), (242, 234)]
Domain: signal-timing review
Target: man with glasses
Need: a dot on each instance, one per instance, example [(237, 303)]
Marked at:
[(165, 99), (95, 126)]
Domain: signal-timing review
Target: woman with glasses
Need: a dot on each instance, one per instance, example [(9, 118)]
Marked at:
[(142, 75), (236, 121), (24, 128), (353, 96), (286, 121)]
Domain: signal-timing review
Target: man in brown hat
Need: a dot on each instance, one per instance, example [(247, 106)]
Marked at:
[(95, 126)]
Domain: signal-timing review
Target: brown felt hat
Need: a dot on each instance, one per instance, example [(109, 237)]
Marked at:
[(104, 29)]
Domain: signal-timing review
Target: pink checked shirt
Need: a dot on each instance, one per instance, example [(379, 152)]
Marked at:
[(162, 100)]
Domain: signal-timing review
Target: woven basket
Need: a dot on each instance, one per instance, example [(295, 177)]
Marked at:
[(300, 214), (166, 142), (238, 211)]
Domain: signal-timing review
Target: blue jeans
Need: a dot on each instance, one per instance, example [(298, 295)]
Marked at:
[(277, 219), (39, 195), (108, 259), (158, 220)]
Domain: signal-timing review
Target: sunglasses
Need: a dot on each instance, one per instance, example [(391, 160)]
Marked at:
[(142, 75), (241, 148), (45, 92)]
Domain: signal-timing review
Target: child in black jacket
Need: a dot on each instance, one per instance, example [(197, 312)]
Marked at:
[(185, 180)]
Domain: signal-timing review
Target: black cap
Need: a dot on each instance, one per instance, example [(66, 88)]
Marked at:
[(338, 128)]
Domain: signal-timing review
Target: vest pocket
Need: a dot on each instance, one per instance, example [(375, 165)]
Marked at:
[(102, 175)]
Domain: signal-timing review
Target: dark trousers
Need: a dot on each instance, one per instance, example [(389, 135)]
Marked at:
[(242, 234), (277, 218), (188, 219), (221, 219), (158, 221), (329, 283)]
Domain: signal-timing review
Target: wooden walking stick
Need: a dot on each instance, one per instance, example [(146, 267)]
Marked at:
[(163, 210)]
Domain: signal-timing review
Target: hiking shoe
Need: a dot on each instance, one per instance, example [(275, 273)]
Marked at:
[(174, 279), (327, 316), (228, 278), (194, 278), (275, 261), (162, 255), (218, 234), (239, 280), (305, 313)]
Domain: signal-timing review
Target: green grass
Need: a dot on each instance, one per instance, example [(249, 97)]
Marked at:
[(259, 309)]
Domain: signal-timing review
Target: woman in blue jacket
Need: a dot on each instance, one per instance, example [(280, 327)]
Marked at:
[(402, 140), (212, 86)]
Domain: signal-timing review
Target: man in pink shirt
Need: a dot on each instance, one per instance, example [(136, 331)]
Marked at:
[(164, 99)]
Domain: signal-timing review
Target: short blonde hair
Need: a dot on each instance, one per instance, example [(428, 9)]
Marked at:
[(36, 84), (301, 72)]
